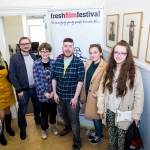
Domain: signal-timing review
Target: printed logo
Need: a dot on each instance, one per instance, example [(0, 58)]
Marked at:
[(75, 15)]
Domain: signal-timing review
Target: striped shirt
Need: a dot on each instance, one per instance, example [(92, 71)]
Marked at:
[(67, 83)]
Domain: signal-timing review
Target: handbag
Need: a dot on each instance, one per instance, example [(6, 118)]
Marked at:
[(133, 138), (124, 116)]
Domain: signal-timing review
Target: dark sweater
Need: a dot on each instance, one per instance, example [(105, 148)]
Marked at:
[(89, 75), (18, 72)]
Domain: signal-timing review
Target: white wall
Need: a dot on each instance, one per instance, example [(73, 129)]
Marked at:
[(126, 6), (56, 3), (3, 42), (14, 30)]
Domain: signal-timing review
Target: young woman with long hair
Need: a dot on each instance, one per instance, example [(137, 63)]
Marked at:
[(120, 89), (94, 70)]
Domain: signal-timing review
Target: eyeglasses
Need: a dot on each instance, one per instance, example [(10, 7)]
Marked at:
[(45, 52), (119, 53), (25, 44)]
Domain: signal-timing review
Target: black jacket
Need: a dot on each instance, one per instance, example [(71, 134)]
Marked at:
[(18, 72)]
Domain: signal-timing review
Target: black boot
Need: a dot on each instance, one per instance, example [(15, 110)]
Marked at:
[(2, 138), (8, 125)]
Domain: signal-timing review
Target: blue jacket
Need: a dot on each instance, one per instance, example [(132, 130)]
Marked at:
[(42, 84), (18, 72)]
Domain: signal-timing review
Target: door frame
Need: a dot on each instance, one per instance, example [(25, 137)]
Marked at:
[(19, 11)]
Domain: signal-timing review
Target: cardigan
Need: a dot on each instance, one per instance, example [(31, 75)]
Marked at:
[(133, 100)]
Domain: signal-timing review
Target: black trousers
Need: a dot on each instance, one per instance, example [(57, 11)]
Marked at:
[(48, 111)]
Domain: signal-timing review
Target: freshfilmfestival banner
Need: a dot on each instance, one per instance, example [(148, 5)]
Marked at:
[(85, 27), (75, 14)]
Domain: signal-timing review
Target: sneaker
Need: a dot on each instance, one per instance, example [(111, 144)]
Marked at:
[(44, 135), (97, 139), (92, 136), (23, 134), (65, 131), (54, 129), (76, 146)]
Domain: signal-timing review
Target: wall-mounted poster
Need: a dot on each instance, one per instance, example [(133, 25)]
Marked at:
[(112, 30), (147, 57), (132, 23)]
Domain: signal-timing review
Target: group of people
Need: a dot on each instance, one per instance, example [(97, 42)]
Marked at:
[(102, 88)]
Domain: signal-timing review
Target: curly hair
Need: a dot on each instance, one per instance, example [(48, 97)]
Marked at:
[(127, 72), (46, 46)]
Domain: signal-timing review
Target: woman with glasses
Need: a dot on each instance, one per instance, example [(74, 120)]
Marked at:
[(42, 71), (6, 100), (94, 70), (121, 89)]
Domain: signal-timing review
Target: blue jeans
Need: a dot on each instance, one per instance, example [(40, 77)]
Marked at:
[(71, 119), (98, 126), (23, 103)]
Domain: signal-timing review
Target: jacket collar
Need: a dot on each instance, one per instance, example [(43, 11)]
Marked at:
[(40, 60), (22, 55), (98, 68), (73, 59)]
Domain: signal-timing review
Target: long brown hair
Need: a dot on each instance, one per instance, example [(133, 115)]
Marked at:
[(127, 71)]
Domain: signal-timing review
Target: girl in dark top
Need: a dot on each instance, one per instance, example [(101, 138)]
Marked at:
[(94, 70)]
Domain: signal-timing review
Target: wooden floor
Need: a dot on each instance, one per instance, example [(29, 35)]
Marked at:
[(35, 142)]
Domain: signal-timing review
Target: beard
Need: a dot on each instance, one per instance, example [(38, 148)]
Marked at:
[(67, 55), (25, 51)]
